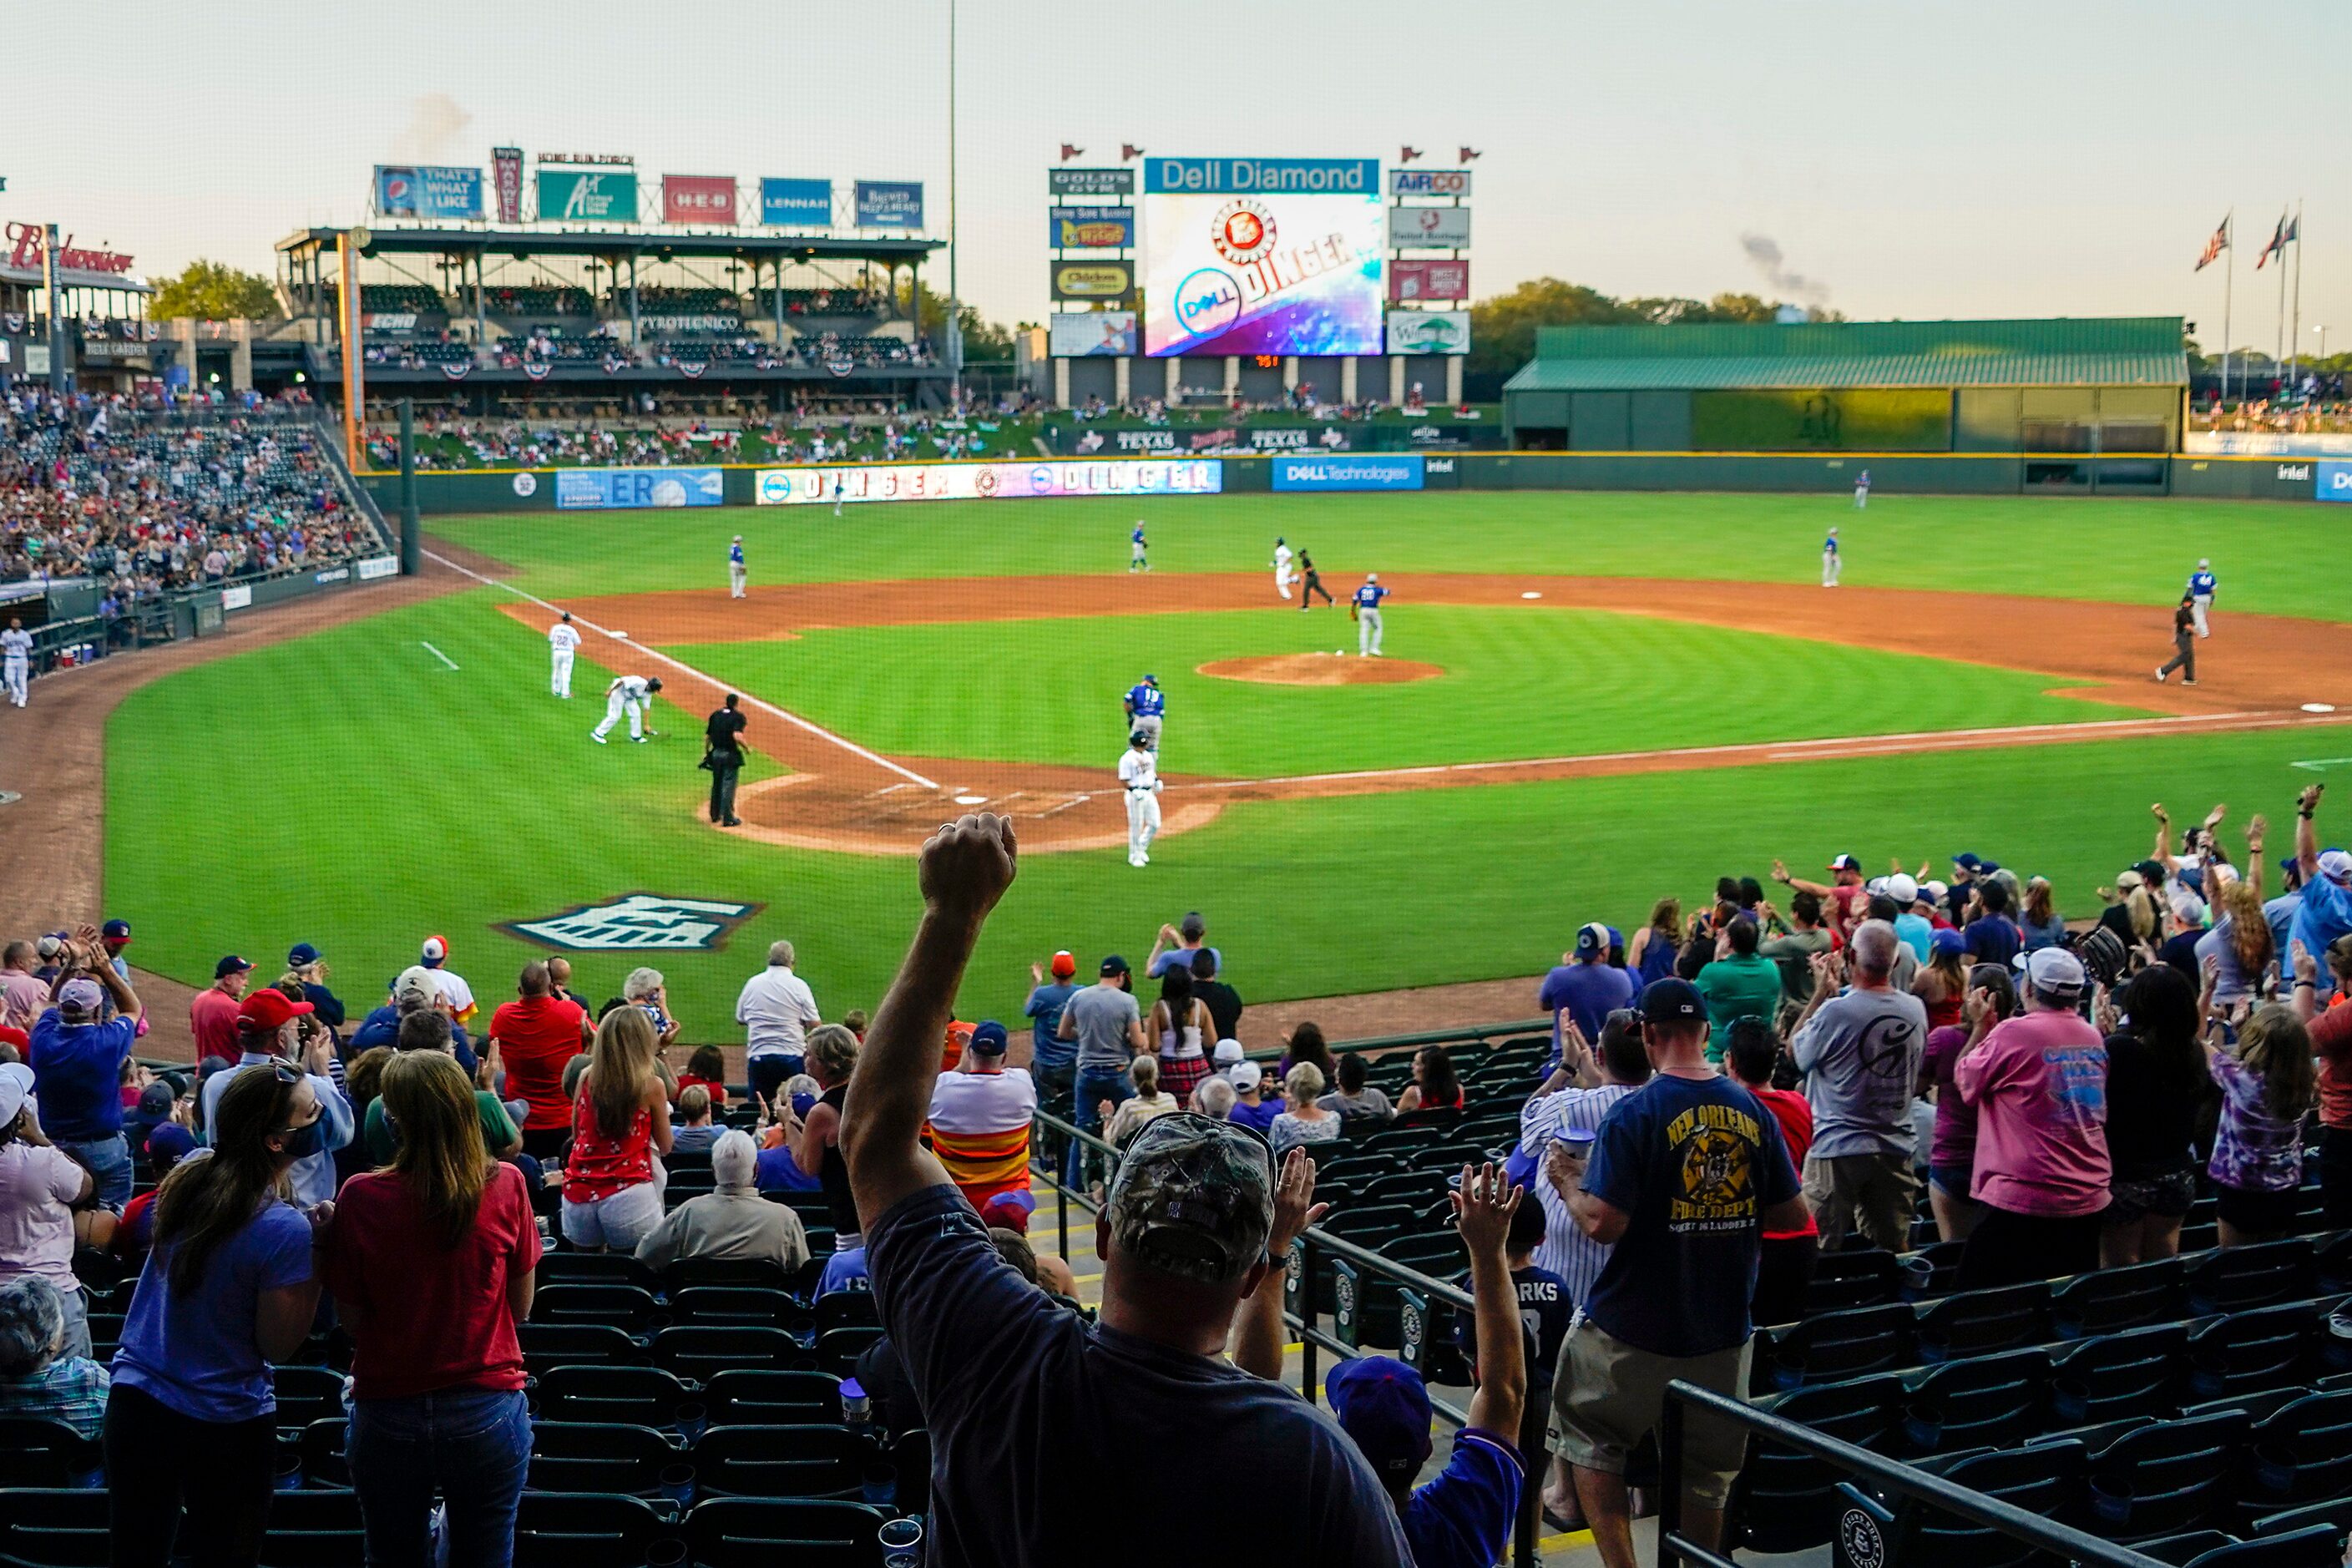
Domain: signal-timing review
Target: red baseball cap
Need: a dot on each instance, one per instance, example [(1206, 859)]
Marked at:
[(269, 1009), (1064, 965)]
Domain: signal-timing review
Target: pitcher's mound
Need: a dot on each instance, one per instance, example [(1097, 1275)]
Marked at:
[(1321, 669)]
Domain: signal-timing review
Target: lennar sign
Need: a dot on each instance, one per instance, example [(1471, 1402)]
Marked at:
[(638, 922)]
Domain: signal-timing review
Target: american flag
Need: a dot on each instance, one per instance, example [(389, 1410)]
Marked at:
[(2214, 247)]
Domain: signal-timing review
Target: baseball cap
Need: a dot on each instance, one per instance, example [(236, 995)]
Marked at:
[(2335, 865), (1845, 863), (1247, 1076), (50, 945), (1592, 937), (80, 994), (2052, 971), (437, 948), (1663, 1001), (1064, 965), (1947, 940), (16, 1083), (2153, 874), (416, 978), (301, 955), (1876, 886), (1114, 965), (1902, 888), (1228, 1052), (1194, 1197), (1934, 889), (988, 1038), (1384, 1405), (1151, 681), (269, 1008), (1137, 739), (230, 965), (1968, 860), (115, 930), (155, 1099), (170, 1139)]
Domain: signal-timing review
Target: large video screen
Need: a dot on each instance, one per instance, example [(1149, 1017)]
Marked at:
[(1272, 259)]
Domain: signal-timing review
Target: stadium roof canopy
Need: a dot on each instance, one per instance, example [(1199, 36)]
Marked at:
[(748, 244), (2117, 351)]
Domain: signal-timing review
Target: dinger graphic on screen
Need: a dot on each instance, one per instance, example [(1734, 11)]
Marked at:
[(1246, 255)]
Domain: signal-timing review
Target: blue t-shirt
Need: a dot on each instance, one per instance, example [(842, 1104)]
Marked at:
[(1544, 1308), (381, 1028), (1183, 955), (1144, 702), (1993, 939), (2325, 914), (2278, 915), (1694, 1163), (78, 1073), (1032, 1412), (844, 1271), (1590, 992), (1045, 1048), (1462, 1519), (198, 1354), (1137, 537), (1260, 1116), (774, 1172), (1829, 546), (1370, 596), (1917, 932)]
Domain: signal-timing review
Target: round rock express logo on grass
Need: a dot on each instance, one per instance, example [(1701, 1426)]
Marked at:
[(637, 922)]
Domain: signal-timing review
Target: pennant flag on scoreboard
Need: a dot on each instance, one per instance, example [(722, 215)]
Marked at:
[(2214, 247), (1407, 154), (1071, 150), (1128, 151), (1467, 153)]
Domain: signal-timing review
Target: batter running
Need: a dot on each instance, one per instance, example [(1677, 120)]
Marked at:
[(1282, 573)]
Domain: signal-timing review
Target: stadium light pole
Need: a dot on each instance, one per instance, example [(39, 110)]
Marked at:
[(955, 323)]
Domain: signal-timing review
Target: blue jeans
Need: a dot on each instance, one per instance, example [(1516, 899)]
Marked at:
[(109, 1162), (472, 1444), (1095, 1086)]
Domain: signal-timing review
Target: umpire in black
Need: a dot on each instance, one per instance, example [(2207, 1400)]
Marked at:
[(722, 753)]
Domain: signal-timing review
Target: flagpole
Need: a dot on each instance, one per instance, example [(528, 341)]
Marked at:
[(2278, 355), (2228, 287)]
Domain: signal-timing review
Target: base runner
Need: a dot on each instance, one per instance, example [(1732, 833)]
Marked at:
[(1282, 573), (1139, 775)]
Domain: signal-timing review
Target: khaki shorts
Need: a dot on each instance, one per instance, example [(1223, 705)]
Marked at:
[(1607, 1395)]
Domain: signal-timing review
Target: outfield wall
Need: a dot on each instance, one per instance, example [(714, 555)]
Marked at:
[(1892, 473)]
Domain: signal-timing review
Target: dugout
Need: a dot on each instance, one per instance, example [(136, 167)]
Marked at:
[(2093, 404)]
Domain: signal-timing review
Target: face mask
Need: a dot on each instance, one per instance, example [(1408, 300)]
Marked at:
[(302, 1142)]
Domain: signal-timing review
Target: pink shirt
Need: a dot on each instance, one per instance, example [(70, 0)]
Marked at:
[(22, 999), (2040, 1086), (36, 1183)]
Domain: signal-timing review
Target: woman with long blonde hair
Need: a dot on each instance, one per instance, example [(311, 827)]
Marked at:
[(620, 1120), (1651, 954), (2240, 944), (432, 1260)]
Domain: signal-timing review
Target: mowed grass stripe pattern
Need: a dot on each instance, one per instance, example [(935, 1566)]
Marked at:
[(1520, 682), (2273, 557)]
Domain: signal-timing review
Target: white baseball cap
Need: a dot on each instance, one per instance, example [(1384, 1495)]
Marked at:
[(2335, 866), (1934, 889), (2052, 970), (16, 1087), (1228, 1052), (1903, 889), (1247, 1076)]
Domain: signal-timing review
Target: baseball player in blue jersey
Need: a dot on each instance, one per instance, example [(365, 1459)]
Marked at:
[(1364, 608), (1138, 558), (1832, 561), (1862, 490), (839, 490), (2201, 584), (1146, 705), (739, 576)]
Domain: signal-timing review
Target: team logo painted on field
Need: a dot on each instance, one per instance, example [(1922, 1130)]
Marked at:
[(638, 922)]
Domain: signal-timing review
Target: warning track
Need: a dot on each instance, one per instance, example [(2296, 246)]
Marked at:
[(842, 796)]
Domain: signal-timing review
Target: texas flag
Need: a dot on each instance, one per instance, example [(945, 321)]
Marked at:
[(2281, 236)]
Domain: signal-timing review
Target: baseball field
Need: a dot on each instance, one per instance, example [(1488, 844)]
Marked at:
[(1587, 700)]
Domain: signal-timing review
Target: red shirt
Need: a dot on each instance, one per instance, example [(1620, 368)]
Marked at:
[(212, 1015), (2331, 1040), (431, 1317), (538, 1037), (1794, 1112), (597, 1166), (686, 1080)]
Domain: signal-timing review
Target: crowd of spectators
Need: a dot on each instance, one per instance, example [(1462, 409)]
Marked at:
[(98, 487), (883, 433), (1729, 1094), (2314, 402)]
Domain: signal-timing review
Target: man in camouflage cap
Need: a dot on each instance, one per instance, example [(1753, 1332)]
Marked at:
[(1195, 1198)]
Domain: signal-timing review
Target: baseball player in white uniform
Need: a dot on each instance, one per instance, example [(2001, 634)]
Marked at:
[(1139, 775), (633, 695), (1364, 603), (1282, 567), (562, 642), (16, 659), (739, 576)]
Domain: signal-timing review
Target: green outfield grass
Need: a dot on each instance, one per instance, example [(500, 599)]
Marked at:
[(1520, 683), (2284, 560)]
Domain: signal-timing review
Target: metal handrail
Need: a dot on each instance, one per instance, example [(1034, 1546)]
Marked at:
[(1377, 1043), (1914, 1488)]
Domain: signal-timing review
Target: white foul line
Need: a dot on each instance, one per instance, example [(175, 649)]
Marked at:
[(819, 731), (436, 653)]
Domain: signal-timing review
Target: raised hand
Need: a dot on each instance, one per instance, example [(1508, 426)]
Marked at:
[(968, 864), (1294, 1207), (1483, 1207)]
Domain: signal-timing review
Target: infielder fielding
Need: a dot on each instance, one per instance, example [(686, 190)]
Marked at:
[(633, 695), (1139, 775), (2201, 584), (562, 642), (16, 659), (1139, 550), (1281, 567), (1833, 562), (1364, 608), (1862, 490), (1146, 704), (739, 576)]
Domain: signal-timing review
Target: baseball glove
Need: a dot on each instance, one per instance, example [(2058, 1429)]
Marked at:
[(1352, 615)]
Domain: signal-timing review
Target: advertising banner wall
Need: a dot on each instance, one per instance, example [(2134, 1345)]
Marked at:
[(629, 490), (988, 481), (1104, 282), (428, 191), (1430, 280), (1436, 228), (1429, 182), (1401, 472), (1077, 334), (889, 204), (796, 203), (1429, 332), (1090, 182), (587, 196), (1256, 257), (506, 175), (1091, 228), (2334, 481), (698, 198)]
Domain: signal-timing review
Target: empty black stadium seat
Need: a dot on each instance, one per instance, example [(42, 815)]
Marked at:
[(308, 1393), (1838, 1345), (313, 1529), (743, 1306), (750, 1398), (2115, 1377), (2108, 1300), (1786, 1500), (633, 1395), (1976, 1321), (586, 1530), (594, 1269), (39, 1453), (1870, 1278), (628, 1308), (2166, 1477), (2047, 1479), (2299, 1454), (1985, 1401), (847, 1309), (587, 1457), (2269, 1347), (2233, 1277), (2316, 1546), (837, 1350), (812, 1461), (323, 1445), (700, 1353), (546, 1345), (53, 1527), (691, 1271), (2336, 1514), (768, 1532)]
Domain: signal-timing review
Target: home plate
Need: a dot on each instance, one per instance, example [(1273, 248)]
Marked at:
[(2319, 707), (971, 800), (1531, 595)]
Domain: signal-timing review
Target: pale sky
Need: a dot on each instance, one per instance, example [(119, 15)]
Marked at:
[(2066, 157)]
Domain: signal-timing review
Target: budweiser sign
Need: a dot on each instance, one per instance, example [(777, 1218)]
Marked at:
[(25, 246)]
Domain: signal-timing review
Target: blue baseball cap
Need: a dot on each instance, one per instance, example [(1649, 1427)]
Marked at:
[(1968, 860), (1664, 1001), (1947, 942), (116, 931), (989, 1038), (300, 954), (1384, 1405), (232, 964), (170, 1138), (1151, 681)]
